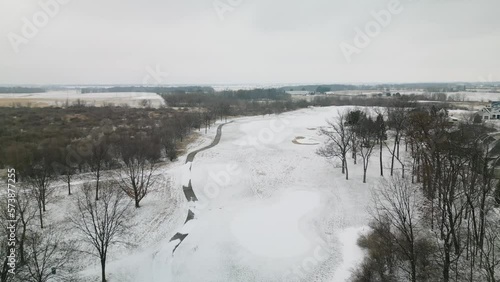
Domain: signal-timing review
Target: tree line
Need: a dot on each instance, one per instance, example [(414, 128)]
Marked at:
[(116, 151), (435, 217)]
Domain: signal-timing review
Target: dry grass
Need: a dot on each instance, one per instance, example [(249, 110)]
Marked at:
[(75, 117), (47, 102), (191, 138), (25, 102)]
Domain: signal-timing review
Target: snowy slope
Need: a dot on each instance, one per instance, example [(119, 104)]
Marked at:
[(269, 209)]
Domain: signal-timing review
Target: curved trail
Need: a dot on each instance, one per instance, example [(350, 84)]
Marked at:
[(188, 190)]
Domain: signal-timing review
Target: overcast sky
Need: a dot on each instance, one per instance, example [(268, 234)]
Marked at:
[(247, 41)]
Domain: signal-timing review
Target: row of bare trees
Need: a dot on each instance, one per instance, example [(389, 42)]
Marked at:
[(101, 207), (442, 223), (44, 255), (117, 167), (354, 132)]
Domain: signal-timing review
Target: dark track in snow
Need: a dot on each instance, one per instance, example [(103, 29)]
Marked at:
[(188, 190)]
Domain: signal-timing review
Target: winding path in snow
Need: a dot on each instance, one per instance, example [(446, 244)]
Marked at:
[(188, 190)]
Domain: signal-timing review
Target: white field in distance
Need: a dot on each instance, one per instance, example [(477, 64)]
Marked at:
[(60, 97)]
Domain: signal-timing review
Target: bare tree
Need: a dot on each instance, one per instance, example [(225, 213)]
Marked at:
[(167, 140), (399, 201), (139, 157), (180, 127), (68, 170), (39, 178), (396, 156), (339, 141), (207, 118), (48, 258), (26, 213), (491, 251), (456, 164), (101, 223), (381, 131), (65, 164), (367, 137), (98, 158), (353, 120), (397, 121), (380, 262)]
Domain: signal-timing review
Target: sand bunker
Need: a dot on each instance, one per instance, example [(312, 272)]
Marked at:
[(301, 140)]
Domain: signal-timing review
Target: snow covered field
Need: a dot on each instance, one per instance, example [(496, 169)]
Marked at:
[(134, 99), (269, 210), (55, 98), (479, 96)]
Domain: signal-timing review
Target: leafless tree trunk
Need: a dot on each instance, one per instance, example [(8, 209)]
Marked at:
[(48, 258), (396, 157), (491, 251), (367, 140), (40, 178), (400, 201), (100, 223), (99, 156), (397, 120), (139, 158), (339, 141), (26, 213)]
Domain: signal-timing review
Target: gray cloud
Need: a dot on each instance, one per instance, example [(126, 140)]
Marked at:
[(258, 41)]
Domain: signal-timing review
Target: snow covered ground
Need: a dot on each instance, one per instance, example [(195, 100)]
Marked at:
[(481, 96), (134, 99), (269, 210), (471, 96), (59, 97)]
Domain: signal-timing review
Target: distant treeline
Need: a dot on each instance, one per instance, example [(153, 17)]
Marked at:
[(159, 90), (393, 101), (241, 102), (198, 99), (268, 101), (52, 131), (321, 88), (429, 87), (268, 94), (21, 90)]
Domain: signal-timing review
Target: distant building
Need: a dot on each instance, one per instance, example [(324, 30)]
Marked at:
[(490, 112)]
